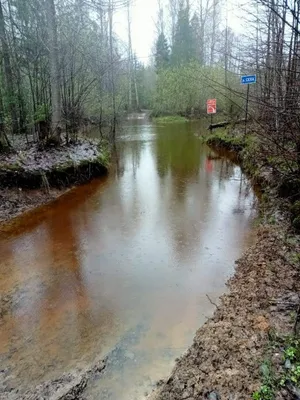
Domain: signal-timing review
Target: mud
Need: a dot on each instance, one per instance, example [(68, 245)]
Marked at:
[(30, 177), (225, 358), (14, 202), (34, 159), (58, 167), (68, 387)]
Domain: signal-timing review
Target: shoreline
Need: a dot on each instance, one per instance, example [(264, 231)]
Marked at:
[(225, 359), (16, 204), (229, 350), (240, 352), (30, 180)]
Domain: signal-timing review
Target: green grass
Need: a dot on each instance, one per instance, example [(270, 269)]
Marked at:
[(223, 140), (268, 387), (170, 119), (12, 167), (104, 154), (289, 347)]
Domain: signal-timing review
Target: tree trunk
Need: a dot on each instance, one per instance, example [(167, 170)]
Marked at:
[(129, 61), (54, 70), (9, 79), (137, 100), (213, 35), (15, 60), (173, 9), (112, 71)]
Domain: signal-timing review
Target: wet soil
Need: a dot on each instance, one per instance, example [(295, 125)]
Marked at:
[(33, 158), (70, 386), (31, 177), (14, 202), (59, 167), (225, 358)]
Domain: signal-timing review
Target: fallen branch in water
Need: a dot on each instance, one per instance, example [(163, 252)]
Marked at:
[(224, 123), (211, 302)]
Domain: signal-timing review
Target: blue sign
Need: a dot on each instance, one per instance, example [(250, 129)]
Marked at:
[(248, 79)]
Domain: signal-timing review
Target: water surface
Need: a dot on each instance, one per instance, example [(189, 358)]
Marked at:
[(123, 266)]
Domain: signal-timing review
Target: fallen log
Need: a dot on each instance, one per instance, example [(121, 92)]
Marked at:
[(224, 123)]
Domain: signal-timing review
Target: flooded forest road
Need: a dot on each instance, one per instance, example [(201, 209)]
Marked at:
[(123, 267)]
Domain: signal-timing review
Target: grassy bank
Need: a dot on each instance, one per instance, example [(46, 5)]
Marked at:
[(245, 150), (169, 119), (278, 183)]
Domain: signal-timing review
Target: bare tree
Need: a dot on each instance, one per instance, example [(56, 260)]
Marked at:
[(9, 79), (173, 10), (56, 118)]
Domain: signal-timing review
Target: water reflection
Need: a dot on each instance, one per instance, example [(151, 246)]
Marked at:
[(122, 266)]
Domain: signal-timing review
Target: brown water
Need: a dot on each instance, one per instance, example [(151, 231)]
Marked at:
[(122, 266)]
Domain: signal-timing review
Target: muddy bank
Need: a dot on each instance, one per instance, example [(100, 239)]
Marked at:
[(228, 351), (68, 387), (243, 151), (235, 355), (32, 177), (57, 167), (14, 202)]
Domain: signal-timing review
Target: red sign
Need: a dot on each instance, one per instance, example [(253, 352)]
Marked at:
[(211, 105), (208, 165)]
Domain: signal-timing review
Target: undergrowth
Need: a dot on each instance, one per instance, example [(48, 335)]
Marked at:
[(289, 375)]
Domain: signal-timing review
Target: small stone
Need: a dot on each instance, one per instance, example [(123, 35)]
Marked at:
[(187, 394), (213, 396), (232, 372), (277, 359), (287, 364)]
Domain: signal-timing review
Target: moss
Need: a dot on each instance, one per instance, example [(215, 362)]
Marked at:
[(226, 141), (13, 167), (63, 166), (104, 158)]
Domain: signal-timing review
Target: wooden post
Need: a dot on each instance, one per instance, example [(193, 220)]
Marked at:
[(246, 116)]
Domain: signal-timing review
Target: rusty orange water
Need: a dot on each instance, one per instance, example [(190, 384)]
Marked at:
[(122, 266)]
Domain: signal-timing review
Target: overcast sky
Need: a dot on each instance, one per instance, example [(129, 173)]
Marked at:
[(143, 17)]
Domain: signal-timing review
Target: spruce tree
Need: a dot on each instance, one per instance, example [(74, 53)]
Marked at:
[(162, 53), (183, 50)]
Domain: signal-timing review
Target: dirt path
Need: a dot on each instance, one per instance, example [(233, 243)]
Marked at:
[(225, 358)]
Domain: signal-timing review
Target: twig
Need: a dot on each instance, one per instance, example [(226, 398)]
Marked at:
[(214, 304)]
